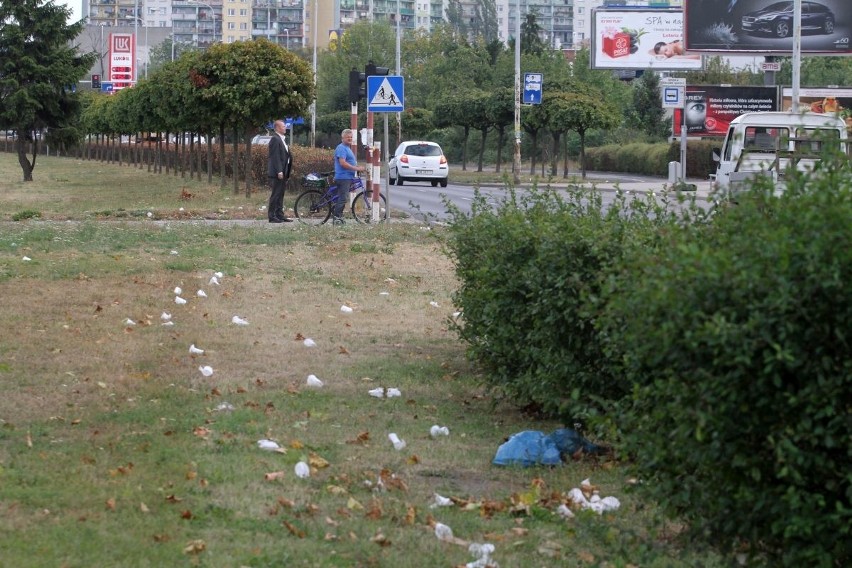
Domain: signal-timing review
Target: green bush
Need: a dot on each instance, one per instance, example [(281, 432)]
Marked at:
[(738, 338), (531, 273), (653, 159), (26, 214)]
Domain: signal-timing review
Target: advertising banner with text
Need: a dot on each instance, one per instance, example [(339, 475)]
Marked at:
[(710, 109), (640, 39), (121, 60), (766, 26)]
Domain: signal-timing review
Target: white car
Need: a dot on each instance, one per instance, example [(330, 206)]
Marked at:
[(418, 160), (261, 139)]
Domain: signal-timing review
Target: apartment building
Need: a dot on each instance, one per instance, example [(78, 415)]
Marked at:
[(564, 23)]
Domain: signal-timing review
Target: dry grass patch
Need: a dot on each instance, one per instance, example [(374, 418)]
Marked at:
[(113, 450)]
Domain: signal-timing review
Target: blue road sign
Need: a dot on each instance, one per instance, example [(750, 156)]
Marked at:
[(533, 83), (106, 87), (385, 93)]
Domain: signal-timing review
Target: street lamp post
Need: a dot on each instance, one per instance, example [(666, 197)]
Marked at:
[(137, 19)]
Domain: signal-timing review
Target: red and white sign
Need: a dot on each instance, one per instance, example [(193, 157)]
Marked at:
[(122, 58)]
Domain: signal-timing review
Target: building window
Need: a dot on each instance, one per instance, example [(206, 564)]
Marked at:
[(231, 11), (243, 12), (231, 25), (243, 25)]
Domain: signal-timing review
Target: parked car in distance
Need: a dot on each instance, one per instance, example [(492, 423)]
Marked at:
[(418, 160), (777, 19)]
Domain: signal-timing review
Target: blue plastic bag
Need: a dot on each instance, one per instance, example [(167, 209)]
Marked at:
[(532, 447)]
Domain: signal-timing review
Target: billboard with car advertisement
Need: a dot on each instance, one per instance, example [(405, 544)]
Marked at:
[(640, 39), (766, 26), (710, 109)]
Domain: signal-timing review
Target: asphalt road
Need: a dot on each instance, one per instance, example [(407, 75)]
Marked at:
[(427, 203)]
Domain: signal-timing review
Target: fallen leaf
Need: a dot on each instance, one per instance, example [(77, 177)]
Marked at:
[(110, 504), (410, 515), (195, 547), (316, 461), (413, 459), (553, 549), (375, 511), (296, 444), (274, 475), (144, 508), (173, 499), (186, 515), (336, 490), (294, 530), (332, 522), (286, 502), (520, 531), (381, 540), (361, 438), (161, 538), (343, 350), (353, 504), (300, 337)]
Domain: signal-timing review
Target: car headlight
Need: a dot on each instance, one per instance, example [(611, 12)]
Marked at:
[(767, 18)]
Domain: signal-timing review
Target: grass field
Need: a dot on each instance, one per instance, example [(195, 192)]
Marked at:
[(115, 450)]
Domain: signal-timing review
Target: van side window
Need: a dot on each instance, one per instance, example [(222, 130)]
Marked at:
[(762, 139), (729, 144), (813, 140)]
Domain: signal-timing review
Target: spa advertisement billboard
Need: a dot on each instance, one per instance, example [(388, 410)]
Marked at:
[(640, 39)]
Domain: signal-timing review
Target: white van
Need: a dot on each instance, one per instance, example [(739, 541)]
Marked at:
[(770, 142)]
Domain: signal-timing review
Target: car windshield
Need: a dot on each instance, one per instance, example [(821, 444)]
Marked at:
[(780, 7), (422, 150)]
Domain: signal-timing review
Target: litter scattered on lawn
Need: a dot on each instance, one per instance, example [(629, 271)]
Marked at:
[(201, 294), (129, 321), (179, 301), (268, 445), (346, 309), (308, 342), (165, 316), (239, 321), (395, 440), (302, 470), (313, 381), (206, 370), (195, 350), (436, 431), (382, 392), (441, 501), (178, 291)]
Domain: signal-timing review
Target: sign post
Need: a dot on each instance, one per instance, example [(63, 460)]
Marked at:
[(533, 83), (674, 95), (385, 93)]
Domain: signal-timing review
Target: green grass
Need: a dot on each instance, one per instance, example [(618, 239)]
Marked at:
[(112, 452)]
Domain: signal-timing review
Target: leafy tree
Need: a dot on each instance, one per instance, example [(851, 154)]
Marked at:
[(38, 67), (818, 71), (501, 113), (455, 17), (718, 71), (581, 112), (647, 113), (255, 82), (531, 42), (485, 26), (161, 53)]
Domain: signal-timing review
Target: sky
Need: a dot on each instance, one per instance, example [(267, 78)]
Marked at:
[(76, 7)]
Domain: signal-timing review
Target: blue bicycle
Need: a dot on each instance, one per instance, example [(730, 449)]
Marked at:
[(316, 202)]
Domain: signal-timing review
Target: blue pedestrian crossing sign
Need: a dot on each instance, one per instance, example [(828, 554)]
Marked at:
[(533, 83), (385, 93)]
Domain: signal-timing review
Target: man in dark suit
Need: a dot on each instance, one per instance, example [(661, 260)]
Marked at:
[(280, 166)]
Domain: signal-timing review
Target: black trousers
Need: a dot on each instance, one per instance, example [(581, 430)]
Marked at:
[(276, 199)]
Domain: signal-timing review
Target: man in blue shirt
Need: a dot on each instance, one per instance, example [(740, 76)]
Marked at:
[(345, 168)]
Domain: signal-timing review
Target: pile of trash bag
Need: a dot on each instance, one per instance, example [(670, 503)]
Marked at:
[(533, 447)]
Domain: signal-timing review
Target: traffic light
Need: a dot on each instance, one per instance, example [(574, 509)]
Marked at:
[(370, 70), (357, 86), (96, 81)]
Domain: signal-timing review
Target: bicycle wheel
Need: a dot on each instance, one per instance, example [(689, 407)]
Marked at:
[(362, 207), (312, 207)]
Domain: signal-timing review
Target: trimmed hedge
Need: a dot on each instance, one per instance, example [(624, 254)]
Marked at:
[(739, 340), (653, 159), (532, 271), (716, 348)]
